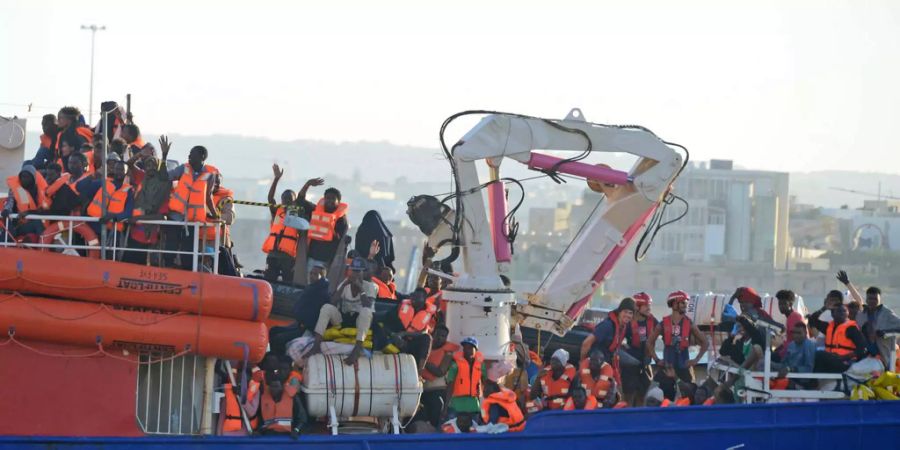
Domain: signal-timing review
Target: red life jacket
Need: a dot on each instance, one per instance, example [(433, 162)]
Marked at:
[(685, 332), (619, 333), (636, 334), (684, 401)]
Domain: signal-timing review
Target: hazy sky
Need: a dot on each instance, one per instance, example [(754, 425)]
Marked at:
[(783, 85)]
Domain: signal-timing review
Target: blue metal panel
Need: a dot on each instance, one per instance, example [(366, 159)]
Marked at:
[(825, 425)]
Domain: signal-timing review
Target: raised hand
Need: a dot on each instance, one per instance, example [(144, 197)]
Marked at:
[(315, 182), (165, 145), (843, 278), (277, 171), (374, 248)]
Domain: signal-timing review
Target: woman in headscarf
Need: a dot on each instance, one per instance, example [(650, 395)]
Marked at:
[(371, 229)]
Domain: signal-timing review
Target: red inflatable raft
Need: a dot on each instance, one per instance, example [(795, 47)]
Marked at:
[(116, 283), (89, 324)]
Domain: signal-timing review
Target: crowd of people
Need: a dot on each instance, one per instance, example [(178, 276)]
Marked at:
[(308, 244), (65, 178)]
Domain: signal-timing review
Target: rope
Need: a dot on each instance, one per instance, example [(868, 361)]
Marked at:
[(99, 352), (100, 308)]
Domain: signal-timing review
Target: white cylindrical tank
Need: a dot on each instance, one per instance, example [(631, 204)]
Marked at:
[(371, 388), (704, 308)]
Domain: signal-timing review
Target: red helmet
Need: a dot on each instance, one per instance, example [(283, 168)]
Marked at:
[(642, 298), (677, 296)]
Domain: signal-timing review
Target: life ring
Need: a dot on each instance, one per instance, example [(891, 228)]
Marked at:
[(83, 229)]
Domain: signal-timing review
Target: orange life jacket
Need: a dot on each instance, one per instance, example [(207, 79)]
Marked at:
[(321, 223), (84, 132), (468, 377), (116, 200), (417, 321), (836, 340), (277, 416), (189, 197), (709, 401), (685, 332), (556, 391), (281, 237), (506, 399), (621, 405), (220, 198), (665, 403), (233, 421), (600, 387), (385, 290), (684, 401), (56, 185), (24, 200), (589, 405), (436, 356)]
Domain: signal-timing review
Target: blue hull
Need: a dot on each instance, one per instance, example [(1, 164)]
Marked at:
[(829, 425)]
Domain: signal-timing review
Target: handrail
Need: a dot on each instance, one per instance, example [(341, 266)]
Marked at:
[(196, 253)]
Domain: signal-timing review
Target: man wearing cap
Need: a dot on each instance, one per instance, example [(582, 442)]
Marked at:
[(610, 333), (555, 381), (676, 330), (465, 379), (352, 304), (636, 377)]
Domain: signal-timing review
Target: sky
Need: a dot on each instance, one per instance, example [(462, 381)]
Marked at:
[(779, 85)]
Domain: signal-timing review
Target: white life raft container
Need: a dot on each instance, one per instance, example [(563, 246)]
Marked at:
[(703, 309), (371, 388)]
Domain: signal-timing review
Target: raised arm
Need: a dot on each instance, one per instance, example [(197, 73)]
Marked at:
[(301, 195), (277, 172), (845, 280)]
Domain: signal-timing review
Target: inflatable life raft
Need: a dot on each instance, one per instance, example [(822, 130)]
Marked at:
[(112, 282), (124, 305)]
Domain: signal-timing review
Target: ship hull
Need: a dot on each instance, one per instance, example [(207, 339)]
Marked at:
[(838, 425)]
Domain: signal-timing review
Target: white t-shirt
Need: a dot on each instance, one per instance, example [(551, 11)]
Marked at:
[(351, 304)]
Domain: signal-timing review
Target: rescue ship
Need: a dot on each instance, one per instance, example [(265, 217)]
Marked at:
[(105, 354)]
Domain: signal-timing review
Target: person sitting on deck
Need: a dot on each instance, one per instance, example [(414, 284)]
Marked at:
[(352, 304), (27, 193), (580, 400), (597, 377), (844, 342), (554, 382), (279, 409)]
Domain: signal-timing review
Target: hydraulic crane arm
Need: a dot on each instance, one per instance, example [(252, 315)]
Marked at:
[(630, 199)]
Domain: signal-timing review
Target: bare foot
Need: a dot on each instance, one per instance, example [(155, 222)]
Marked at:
[(354, 355)]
